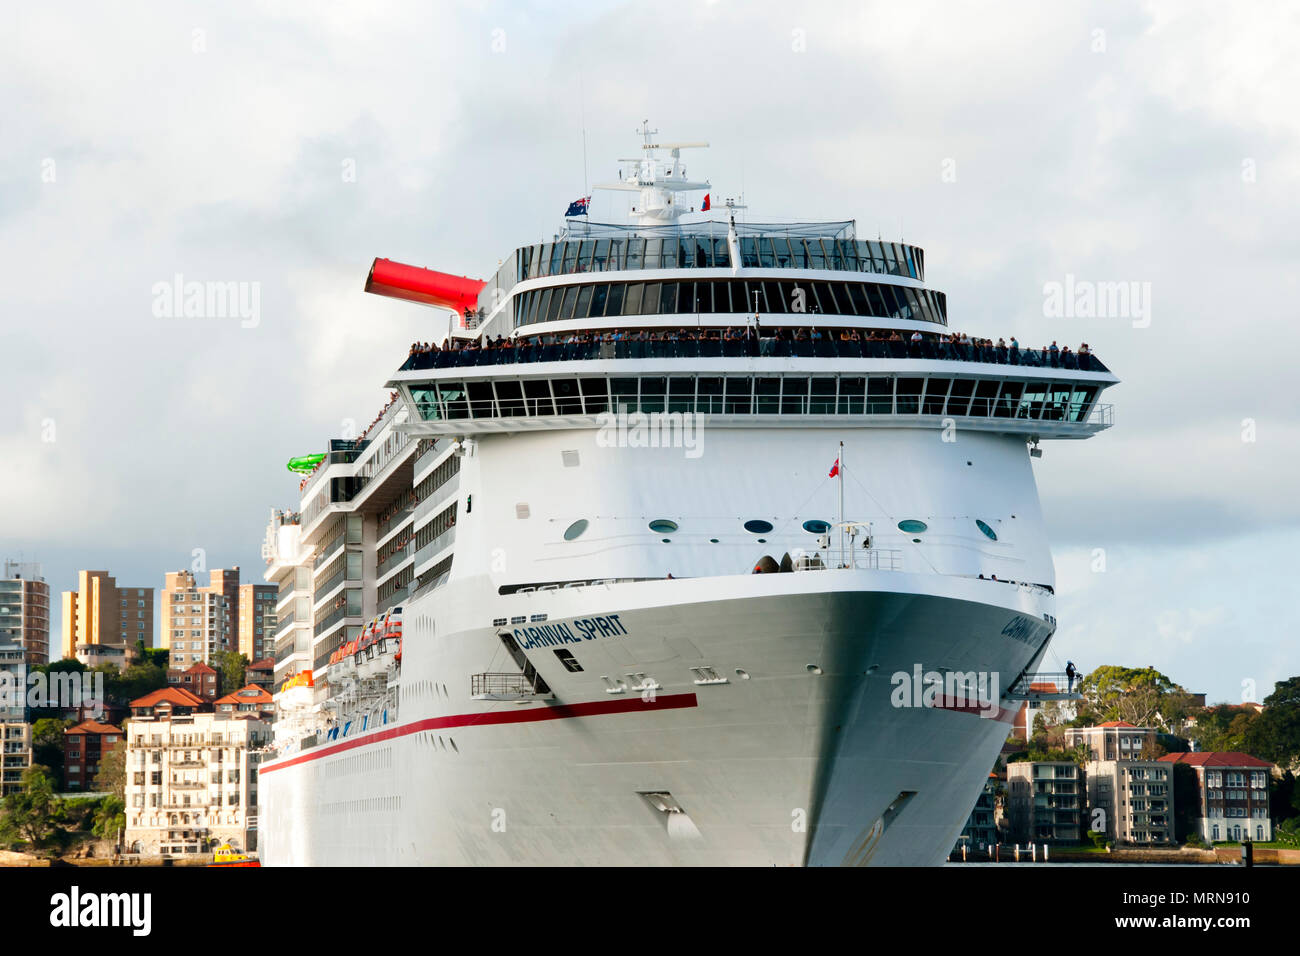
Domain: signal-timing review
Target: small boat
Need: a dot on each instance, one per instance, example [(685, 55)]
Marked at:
[(226, 855)]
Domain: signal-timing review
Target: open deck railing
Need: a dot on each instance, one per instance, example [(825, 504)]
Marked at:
[(753, 347)]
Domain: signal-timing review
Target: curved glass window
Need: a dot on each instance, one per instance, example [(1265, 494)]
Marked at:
[(988, 532), (912, 526), (816, 526), (704, 251), (758, 526), (663, 526), (575, 530), (712, 296)]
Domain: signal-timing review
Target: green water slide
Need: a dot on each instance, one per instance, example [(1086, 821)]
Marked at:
[(305, 464)]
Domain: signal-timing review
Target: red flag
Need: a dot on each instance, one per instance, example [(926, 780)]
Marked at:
[(705, 207), (835, 469)]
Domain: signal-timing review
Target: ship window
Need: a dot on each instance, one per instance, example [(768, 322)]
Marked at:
[(959, 398), (614, 305), (537, 397), (509, 398), (570, 296), (652, 394), (710, 395), (909, 395), (624, 393), (595, 394), (823, 397), (766, 395), (663, 526), (912, 526), (567, 401), (988, 532), (632, 300), (650, 301), (880, 396), (681, 394), (758, 526), (936, 390), (794, 396), (583, 309), (816, 526), (667, 298), (575, 530), (851, 391)]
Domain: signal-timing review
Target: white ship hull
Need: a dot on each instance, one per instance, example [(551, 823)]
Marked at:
[(787, 767)]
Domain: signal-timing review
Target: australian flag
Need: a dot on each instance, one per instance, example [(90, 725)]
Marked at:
[(578, 207)]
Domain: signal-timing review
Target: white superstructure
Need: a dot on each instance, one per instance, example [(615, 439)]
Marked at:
[(641, 623)]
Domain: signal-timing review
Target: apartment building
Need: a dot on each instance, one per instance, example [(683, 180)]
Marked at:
[(25, 610), (1045, 801), (84, 747), (257, 620), (101, 613), (981, 829), (200, 621), (191, 777), (1136, 800), (1114, 740), (1232, 794), (199, 679)]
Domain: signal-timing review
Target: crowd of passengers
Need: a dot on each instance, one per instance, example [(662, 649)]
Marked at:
[(1002, 351)]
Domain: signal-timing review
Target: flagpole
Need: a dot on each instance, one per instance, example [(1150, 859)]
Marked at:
[(841, 477)]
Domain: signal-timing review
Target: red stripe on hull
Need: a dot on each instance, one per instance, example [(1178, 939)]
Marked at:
[(557, 712)]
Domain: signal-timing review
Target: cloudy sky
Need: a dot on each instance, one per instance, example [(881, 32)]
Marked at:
[(1020, 143)]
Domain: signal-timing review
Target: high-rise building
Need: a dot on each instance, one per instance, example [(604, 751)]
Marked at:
[(101, 613), (198, 621), (25, 610), (257, 620)]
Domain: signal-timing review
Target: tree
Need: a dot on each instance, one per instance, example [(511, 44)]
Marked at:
[(32, 815), (231, 666), (1138, 695), (111, 776), (159, 656), (1275, 734), (47, 745), (110, 818)]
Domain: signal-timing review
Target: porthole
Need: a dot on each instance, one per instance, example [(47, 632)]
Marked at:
[(758, 526), (663, 526), (816, 526), (575, 530), (713, 541), (912, 526), (988, 532)]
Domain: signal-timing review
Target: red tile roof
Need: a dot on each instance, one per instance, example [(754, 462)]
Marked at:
[(1216, 758), (93, 727), (239, 697), (1118, 723), (199, 668), (265, 664), (173, 695)]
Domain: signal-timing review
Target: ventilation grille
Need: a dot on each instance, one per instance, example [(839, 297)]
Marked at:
[(570, 459), (521, 510)]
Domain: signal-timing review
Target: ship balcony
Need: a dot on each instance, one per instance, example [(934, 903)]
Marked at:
[(1044, 686), (508, 687), (754, 347)]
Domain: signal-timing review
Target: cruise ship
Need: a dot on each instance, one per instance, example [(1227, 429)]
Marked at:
[(703, 541)]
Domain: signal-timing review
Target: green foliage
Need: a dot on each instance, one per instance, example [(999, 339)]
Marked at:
[(1194, 840), (111, 776), (33, 814), (1136, 694), (231, 665), (1275, 733), (160, 656), (110, 818), (1076, 755), (1098, 840), (48, 745)]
